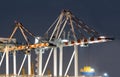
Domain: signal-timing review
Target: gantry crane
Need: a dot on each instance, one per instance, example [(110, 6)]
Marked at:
[(10, 45), (79, 34)]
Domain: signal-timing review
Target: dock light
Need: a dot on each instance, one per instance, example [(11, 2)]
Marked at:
[(102, 37), (64, 40), (105, 75)]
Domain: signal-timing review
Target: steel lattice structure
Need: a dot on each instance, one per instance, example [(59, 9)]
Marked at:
[(67, 30)]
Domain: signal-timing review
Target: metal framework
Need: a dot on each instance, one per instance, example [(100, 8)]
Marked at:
[(67, 22), (79, 34)]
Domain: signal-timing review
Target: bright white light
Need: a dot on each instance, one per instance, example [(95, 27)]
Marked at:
[(37, 40), (64, 40), (92, 70), (105, 74), (102, 37)]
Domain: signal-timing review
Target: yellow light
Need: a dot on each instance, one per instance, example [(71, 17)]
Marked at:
[(87, 69)]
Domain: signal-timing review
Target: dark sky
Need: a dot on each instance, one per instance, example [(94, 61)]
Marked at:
[(102, 15)]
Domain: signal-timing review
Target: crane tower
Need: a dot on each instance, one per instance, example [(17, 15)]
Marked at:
[(68, 30)]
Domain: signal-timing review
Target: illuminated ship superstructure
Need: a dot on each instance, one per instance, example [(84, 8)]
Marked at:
[(87, 71)]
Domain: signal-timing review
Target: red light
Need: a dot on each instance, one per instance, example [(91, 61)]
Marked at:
[(79, 41), (72, 42)]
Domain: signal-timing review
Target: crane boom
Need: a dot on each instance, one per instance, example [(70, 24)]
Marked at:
[(83, 42), (13, 47)]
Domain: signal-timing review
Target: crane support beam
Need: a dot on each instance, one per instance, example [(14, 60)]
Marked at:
[(61, 61), (55, 62), (40, 63), (14, 62), (69, 63), (22, 65), (2, 58), (7, 61), (29, 64), (76, 61)]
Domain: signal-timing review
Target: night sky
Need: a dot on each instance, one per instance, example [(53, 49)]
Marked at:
[(38, 15)]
